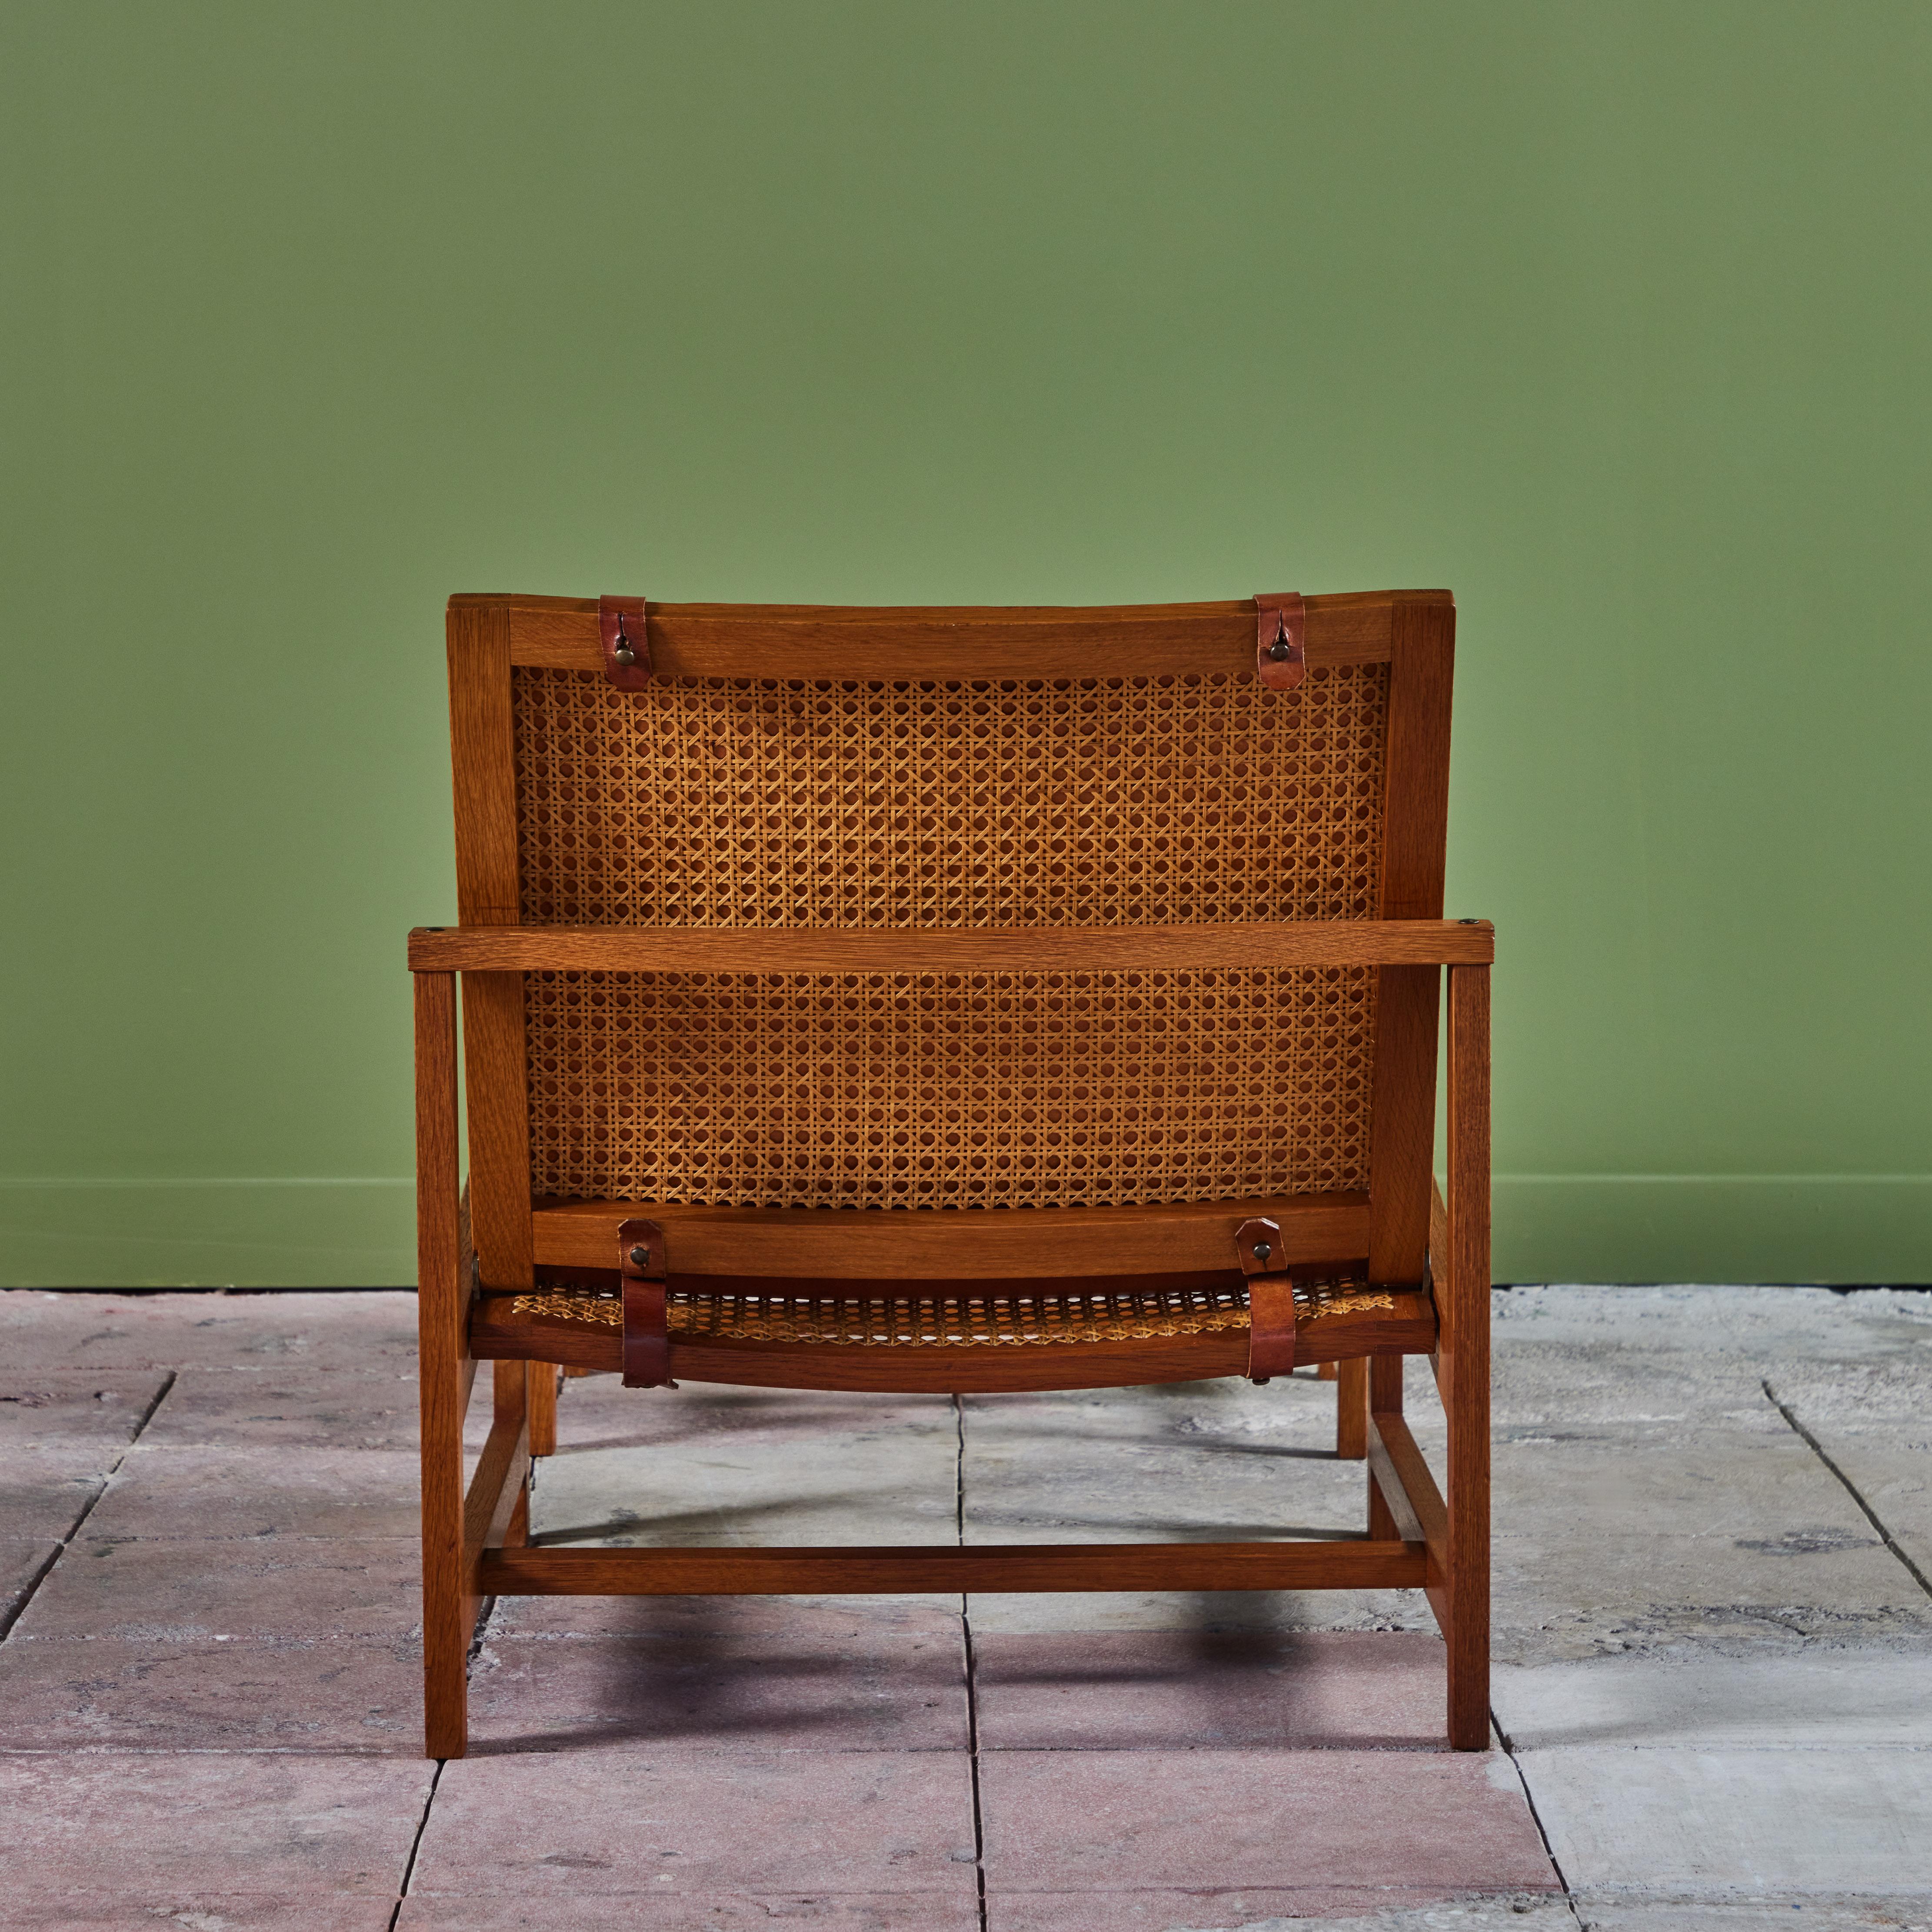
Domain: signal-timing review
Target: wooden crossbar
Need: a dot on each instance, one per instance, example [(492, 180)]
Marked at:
[(1085, 948), (1349, 1563)]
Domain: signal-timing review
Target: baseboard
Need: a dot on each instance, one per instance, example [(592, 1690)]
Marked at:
[(1713, 1228), (1597, 1227), (205, 1234)]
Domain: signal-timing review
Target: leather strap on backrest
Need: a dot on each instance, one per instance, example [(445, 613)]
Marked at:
[(641, 1261), (1263, 1260), (1281, 626), (627, 649)]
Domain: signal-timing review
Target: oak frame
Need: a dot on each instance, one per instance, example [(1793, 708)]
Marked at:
[(495, 1233)]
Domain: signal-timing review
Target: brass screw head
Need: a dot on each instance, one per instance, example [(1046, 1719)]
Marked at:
[(1262, 1250), (1279, 650), (640, 1258), (624, 654)]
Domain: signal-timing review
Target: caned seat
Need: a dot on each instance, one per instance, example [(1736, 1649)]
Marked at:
[(957, 1001)]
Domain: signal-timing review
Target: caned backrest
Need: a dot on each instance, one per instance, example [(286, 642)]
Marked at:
[(920, 769)]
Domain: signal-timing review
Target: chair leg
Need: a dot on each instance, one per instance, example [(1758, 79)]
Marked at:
[(543, 1408), (1351, 1410), (1465, 1348), (449, 1607), (1384, 1397)]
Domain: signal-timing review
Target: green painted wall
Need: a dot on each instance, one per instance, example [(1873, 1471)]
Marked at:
[(1612, 317)]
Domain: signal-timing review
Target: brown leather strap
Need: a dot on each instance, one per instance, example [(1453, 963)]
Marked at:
[(1263, 1261), (627, 647), (641, 1261), (1281, 625)]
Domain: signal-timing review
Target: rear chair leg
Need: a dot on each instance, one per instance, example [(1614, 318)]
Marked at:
[(1351, 1410), (1384, 1396), (543, 1408)]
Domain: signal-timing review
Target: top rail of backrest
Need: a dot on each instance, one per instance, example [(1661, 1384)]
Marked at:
[(942, 643)]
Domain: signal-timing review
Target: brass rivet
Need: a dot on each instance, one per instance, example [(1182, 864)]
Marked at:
[(1278, 651), (640, 1258), (1262, 1251), (625, 655)]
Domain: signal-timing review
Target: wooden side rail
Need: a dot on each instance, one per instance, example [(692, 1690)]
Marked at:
[(971, 643), (1343, 1564), (1082, 949)]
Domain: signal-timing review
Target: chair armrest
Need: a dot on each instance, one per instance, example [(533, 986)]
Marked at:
[(1035, 948)]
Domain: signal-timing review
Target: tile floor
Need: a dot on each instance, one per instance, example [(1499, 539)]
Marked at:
[(1714, 1632)]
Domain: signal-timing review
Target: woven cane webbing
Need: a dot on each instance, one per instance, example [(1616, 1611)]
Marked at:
[(1129, 802), (987, 1320)]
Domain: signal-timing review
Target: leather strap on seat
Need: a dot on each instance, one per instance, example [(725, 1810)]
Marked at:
[(1263, 1261), (1281, 622), (641, 1261), (627, 648)]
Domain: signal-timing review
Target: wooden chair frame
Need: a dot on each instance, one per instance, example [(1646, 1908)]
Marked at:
[(1436, 1250)]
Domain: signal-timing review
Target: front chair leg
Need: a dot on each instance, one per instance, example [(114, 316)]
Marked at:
[(543, 1408)]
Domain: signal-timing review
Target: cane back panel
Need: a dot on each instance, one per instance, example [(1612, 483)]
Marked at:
[(1103, 802)]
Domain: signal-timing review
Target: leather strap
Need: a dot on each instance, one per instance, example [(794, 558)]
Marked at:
[(1263, 1260), (627, 647), (641, 1261), (1281, 625)]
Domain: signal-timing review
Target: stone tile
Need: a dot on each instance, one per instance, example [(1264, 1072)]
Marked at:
[(956, 1911), (91, 1416), (21, 1562), (202, 1911), (1601, 1912), (704, 1466), (207, 1493), (881, 1691), (1565, 1593), (113, 1696), (1319, 1909), (279, 1588), (42, 1497), (1225, 1820), (1199, 1462), (678, 1824), (746, 1619), (1141, 1690), (1771, 1325), (1814, 1697), (372, 1332), (202, 1823), (269, 1409), (1728, 1822)]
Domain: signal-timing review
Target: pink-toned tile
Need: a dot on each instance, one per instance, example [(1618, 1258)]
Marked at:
[(94, 1415), (205, 1823), (877, 1691), (224, 1492), (1180, 1909), (679, 1823), (826, 1619), (955, 1911), (356, 1333), (1081, 1821), (150, 1910), (271, 1409), (42, 1496), (66, 1696), (1164, 1690), (273, 1589)]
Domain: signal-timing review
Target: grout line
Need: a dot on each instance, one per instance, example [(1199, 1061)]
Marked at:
[(1919, 1576), (62, 1543), (415, 1843), (1535, 1816), (972, 1684)]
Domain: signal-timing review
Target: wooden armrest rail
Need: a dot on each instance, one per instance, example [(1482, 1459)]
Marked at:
[(1083, 949)]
